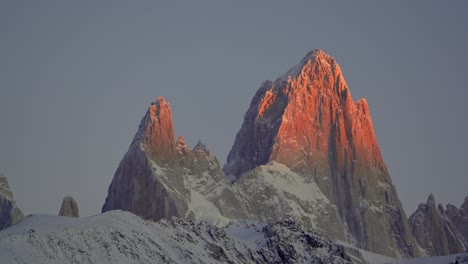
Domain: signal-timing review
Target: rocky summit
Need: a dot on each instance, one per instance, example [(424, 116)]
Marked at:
[(434, 230), (459, 217), (9, 213), (161, 178), (69, 207), (308, 121)]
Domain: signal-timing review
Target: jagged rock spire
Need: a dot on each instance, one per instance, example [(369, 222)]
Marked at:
[(156, 133), (434, 231), (200, 150), (9, 213), (69, 207), (459, 217)]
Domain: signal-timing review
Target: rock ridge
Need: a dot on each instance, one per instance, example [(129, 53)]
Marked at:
[(434, 230)]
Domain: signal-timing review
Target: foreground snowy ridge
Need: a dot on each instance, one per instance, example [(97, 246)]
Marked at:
[(121, 237)]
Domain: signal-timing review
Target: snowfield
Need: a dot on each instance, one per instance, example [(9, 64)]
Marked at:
[(122, 237)]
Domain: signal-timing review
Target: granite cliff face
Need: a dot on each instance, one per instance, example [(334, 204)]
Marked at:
[(434, 231), (69, 207), (459, 217), (308, 121), (148, 181), (9, 213), (160, 178)]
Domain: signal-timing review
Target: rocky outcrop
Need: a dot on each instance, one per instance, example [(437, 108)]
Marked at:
[(307, 120), (459, 217), (161, 178), (9, 213), (434, 231), (69, 207)]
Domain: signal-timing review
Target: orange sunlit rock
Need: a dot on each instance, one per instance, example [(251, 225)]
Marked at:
[(308, 121), (157, 132)]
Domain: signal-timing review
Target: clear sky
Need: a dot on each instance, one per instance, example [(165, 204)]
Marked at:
[(76, 77)]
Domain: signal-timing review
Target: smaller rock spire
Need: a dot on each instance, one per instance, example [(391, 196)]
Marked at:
[(465, 205), (200, 145), (9, 213), (69, 207), (181, 145), (431, 200), (201, 150)]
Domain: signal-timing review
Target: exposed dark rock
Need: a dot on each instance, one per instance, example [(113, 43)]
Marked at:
[(69, 207), (9, 213), (434, 231)]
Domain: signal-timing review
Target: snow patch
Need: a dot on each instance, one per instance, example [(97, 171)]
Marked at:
[(205, 210)]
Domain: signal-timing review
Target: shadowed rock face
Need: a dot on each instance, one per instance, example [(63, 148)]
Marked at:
[(434, 231), (9, 213), (160, 178), (459, 217), (308, 121), (69, 207), (149, 181)]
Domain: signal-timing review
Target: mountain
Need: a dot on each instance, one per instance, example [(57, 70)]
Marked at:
[(10, 214), (159, 178), (69, 207), (122, 237), (434, 231), (459, 217), (308, 121)]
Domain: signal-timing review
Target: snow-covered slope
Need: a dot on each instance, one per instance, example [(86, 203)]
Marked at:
[(122, 237), (274, 192)]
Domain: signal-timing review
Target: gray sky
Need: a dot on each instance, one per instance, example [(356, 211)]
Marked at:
[(76, 77)]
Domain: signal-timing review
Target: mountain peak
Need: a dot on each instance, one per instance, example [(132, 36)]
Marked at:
[(307, 120), (5, 188), (156, 132), (200, 145), (200, 149), (431, 200), (182, 148), (313, 63), (314, 54), (160, 100), (465, 205), (69, 207), (9, 213), (180, 140)]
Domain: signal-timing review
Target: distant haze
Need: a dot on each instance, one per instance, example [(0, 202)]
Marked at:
[(76, 77)]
